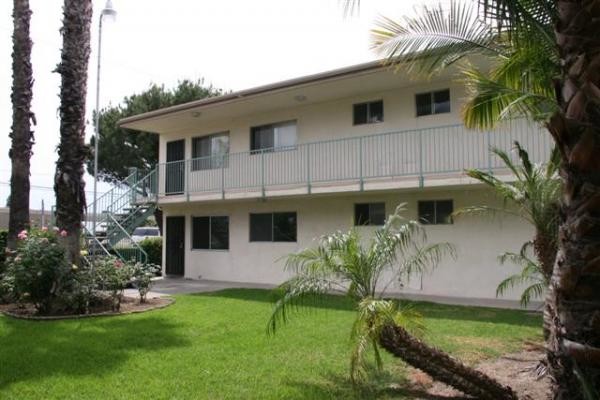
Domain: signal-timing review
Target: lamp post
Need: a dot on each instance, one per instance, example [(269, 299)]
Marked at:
[(110, 13)]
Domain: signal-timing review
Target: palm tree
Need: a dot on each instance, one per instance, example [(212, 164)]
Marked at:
[(21, 134), (545, 67), (535, 191), (396, 252), (72, 151)]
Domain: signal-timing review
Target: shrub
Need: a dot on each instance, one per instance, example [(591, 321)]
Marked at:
[(113, 276), (37, 270), (153, 247), (142, 275)]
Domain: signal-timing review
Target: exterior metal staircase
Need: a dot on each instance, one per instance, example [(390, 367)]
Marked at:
[(118, 212)]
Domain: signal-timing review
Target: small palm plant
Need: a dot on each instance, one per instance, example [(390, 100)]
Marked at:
[(531, 275), (397, 251), (534, 196), (342, 263)]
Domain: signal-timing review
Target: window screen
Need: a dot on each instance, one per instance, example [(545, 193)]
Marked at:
[(433, 102), (210, 233), (369, 214), (368, 113), (273, 136), (209, 152), (273, 227), (436, 212)]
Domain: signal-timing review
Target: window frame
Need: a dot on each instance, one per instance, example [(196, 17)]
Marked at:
[(368, 120), (214, 164), (250, 240), (432, 103), (435, 212), (369, 204), (210, 217), (273, 125)]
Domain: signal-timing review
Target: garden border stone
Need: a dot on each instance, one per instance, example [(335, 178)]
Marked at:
[(169, 301)]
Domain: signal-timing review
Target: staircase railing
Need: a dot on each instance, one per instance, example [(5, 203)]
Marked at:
[(136, 192), (127, 248)]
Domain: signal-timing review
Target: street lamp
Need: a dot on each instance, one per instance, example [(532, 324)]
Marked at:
[(110, 14)]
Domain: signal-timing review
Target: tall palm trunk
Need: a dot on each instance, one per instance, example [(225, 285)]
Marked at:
[(72, 151), (21, 134), (441, 366), (574, 295)]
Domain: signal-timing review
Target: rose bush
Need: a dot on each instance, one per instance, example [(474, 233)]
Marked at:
[(37, 270)]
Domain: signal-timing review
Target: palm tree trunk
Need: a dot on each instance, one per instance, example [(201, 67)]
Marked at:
[(21, 134), (441, 366), (574, 296), (72, 151)]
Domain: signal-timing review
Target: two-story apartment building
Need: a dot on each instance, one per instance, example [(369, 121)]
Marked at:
[(251, 176)]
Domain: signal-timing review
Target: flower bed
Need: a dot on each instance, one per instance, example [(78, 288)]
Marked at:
[(38, 277), (129, 305)]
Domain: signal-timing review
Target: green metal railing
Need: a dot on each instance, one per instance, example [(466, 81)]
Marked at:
[(120, 211), (419, 153)]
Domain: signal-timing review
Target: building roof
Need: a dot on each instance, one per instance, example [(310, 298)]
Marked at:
[(255, 91)]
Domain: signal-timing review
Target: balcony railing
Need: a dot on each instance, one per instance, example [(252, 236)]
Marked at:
[(419, 153)]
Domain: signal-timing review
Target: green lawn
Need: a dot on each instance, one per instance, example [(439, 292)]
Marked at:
[(214, 346)]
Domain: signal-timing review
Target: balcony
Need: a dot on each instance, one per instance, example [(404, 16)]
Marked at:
[(404, 159)]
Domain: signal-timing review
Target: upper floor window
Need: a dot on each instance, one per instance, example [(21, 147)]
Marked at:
[(369, 214), (273, 136), (436, 212), (209, 152), (210, 233), (273, 227), (368, 113), (433, 102)]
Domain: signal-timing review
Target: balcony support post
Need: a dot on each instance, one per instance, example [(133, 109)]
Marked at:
[(421, 177), (360, 160), (223, 177), (308, 188), (186, 172), (262, 173), (488, 146)]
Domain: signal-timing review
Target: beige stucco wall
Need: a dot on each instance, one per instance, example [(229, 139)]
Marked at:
[(329, 120), (474, 274)]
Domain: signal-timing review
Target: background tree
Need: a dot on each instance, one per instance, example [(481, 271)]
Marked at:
[(120, 149), (69, 186), (21, 133), (545, 66)]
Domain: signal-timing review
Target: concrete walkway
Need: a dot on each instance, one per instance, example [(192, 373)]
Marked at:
[(169, 286)]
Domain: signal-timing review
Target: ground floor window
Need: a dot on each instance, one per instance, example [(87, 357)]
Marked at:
[(436, 212), (273, 227), (210, 233), (369, 214)]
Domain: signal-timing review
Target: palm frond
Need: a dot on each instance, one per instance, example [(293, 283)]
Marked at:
[(531, 275), (298, 293), (490, 101), (515, 16), (435, 38), (424, 259)]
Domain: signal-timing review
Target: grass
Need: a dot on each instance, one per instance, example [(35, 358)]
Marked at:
[(214, 346)]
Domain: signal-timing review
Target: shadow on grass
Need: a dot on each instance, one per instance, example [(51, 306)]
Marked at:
[(428, 309), (379, 386), (36, 350)]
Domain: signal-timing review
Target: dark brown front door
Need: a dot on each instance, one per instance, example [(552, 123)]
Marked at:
[(175, 246), (175, 168)]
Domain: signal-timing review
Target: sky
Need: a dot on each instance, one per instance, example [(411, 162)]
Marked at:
[(231, 44)]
